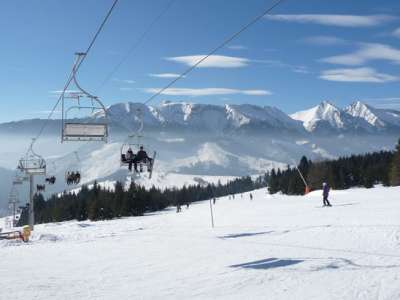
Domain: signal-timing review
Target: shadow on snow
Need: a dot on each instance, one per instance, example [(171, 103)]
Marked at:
[(268, 263)]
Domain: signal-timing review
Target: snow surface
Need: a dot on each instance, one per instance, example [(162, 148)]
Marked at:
[(274, 247)]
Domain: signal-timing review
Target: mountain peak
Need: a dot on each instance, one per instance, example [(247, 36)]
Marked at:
[(359, 109), (325, 112)]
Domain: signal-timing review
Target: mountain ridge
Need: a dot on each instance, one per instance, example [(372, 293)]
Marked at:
[(325, 118)]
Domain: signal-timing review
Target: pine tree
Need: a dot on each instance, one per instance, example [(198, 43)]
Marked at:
[(395, 167)]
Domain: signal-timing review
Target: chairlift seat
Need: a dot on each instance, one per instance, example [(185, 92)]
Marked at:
[(33, 166), (85, 132)]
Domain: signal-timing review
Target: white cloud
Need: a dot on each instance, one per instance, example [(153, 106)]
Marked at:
[(387, 102), (237, 47), (127, 81), (323, 40), (66, 91), (396, 32), (357, 75), (279, 64), (366, 53), (165, 75), (214, 61), (208, 92), (335, 20)]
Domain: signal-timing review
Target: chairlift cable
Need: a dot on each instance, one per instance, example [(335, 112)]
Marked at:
[(136, 44), (70, 78), (220, 46)]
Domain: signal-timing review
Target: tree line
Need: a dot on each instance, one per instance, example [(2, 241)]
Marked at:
[(365, 170), (98, 203)]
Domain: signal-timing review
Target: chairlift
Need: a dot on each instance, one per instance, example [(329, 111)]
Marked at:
[(32, 163), (73, 175), (132, 152), (51, 179), (95, 127), (40, 188)]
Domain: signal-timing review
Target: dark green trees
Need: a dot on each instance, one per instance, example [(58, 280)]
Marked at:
[(395, 167)]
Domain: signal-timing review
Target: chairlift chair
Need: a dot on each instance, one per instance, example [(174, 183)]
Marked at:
[(51, 178), (134, 143), (76, 129), (32, 163), (73, 175)]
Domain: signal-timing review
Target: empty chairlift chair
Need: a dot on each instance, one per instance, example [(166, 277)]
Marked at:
[(32, 163), (84, 117)]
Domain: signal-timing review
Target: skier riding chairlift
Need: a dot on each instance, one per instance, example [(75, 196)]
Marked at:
[(51, 180), (73, 177), (138, 158)]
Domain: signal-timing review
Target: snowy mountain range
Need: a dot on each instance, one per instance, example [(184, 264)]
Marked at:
[(356, 118), (203, 117)]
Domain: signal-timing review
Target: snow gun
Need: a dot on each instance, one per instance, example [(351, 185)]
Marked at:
[(15, 235)]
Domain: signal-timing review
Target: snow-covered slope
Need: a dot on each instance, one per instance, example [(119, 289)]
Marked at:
[(212, 159), (273, 247)]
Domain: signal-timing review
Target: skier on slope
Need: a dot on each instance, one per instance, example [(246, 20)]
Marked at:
[(325, 194)]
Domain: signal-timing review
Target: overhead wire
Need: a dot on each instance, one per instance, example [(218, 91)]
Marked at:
[(220, 46), (70, 78), (136, 44)]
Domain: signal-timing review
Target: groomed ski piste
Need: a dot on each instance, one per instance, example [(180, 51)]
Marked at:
[(271, 247)]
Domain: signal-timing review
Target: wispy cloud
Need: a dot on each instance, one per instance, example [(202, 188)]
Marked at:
[(208, 92), (335, 20), (237, 47), (214, 61), (366, 53), (357, 75), (324, 40), (60, 91), (127, 81), (279, 64), (165, 75), (386, 102), (125, 89), (396, 32)]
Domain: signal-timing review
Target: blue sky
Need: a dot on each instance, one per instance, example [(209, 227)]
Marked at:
[(308, 51)]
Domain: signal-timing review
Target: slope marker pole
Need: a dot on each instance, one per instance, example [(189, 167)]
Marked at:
[(212, 214)]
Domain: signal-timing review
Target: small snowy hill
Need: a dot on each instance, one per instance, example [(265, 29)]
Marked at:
[(271, 247)]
